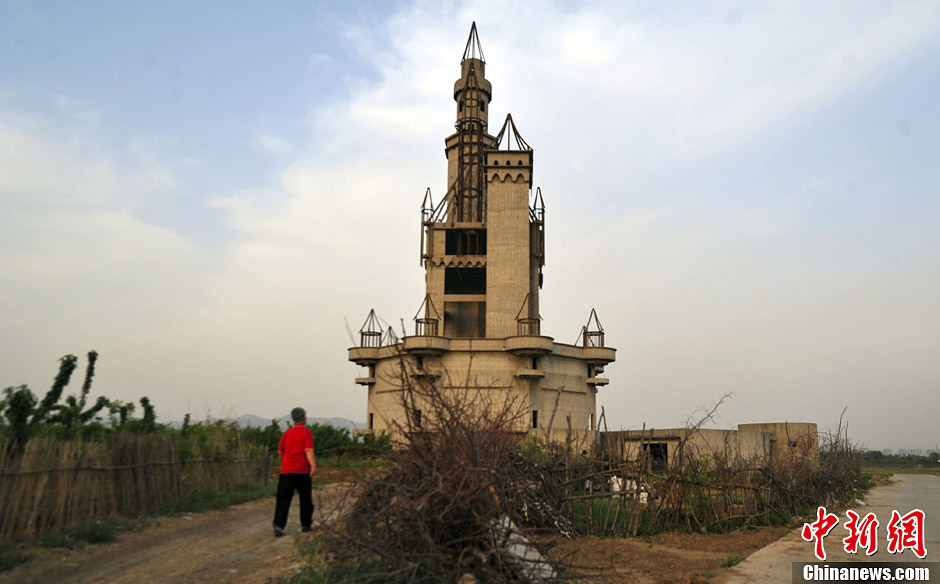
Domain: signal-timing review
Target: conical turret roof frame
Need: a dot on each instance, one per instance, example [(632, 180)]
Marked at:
[(473, 49)]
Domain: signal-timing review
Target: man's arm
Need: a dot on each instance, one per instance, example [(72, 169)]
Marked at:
[(313, 463)]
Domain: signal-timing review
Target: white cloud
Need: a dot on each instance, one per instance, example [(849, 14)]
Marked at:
[(39, 168)]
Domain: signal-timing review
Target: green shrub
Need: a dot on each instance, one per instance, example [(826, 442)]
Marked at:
[(214, 499), (98, 531), (12, 556)]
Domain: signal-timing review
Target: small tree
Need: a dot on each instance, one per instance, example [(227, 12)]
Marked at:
[(25, 416), (18, 406), (73, 414)]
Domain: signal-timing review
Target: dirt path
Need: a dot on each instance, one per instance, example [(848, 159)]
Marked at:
[(231, 546), (772, 564), (665, 558)]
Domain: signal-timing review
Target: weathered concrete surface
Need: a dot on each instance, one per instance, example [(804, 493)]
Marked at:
[(773, 564)]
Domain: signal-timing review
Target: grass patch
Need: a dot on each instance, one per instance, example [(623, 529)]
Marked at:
[(11, 557), (877, 473), (732, 560), (209, 500), (887, 471), (98, 531)]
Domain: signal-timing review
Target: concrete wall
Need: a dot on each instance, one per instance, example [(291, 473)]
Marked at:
[(556, 383), (750, 443), (787, 439)]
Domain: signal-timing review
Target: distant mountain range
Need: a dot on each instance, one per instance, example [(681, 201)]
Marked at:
[(251, 421)]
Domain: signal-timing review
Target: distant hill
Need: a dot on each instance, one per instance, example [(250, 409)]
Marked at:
[(252, 421)]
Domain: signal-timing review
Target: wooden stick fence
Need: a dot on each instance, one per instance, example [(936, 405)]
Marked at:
[(56, 484)]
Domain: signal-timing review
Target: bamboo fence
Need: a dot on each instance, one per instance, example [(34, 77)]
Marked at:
[(56, 484)]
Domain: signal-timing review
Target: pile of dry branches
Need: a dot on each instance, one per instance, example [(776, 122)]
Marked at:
[(703, 491), (459, 499)]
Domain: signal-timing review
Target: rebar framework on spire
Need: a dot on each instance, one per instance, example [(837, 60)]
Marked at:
[(528, 320), (511, 136), (592, 336), (370, 335), (467, 197), (537, 221), (473, 48), (427, 318)]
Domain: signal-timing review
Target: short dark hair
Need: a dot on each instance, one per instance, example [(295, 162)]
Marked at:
[(297, 414)]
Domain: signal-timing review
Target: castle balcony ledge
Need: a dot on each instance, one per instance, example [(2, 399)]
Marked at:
[(364, 355), (530, 374), (365, 380), (599, 355), (529, 345), (426, 346), (596, 381)]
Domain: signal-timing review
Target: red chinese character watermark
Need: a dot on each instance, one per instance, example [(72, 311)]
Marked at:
[(819, 529), (904, 532), (907, 531), (864, 534)]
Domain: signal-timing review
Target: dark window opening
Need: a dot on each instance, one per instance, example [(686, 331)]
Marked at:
[(417, 418), (658, 455), (482, 106), (371, 421), (535, 362), (460, 106), (535, 418), (465, 242), (465, 281), (465, 320)]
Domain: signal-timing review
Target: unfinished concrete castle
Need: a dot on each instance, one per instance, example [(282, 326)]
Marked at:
[(483, 249), (478, 329)]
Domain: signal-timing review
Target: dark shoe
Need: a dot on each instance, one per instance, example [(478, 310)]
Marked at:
[(306, 528), (278, 531)]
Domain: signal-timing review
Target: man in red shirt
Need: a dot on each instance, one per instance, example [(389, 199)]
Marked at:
[(297, 469)]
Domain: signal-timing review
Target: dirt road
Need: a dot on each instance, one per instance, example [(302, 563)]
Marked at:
[(772, 564), (232, 546)]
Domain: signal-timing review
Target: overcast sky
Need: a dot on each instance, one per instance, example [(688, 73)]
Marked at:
[(747, 192)]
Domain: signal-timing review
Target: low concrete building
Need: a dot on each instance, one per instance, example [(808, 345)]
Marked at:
[(753, 444), (478, 328)]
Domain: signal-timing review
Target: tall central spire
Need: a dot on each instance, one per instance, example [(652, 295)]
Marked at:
[(473, 93)]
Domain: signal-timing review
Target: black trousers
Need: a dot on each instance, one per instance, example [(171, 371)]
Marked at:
[(286, 485)]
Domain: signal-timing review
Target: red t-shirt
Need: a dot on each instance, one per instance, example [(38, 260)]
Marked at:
[(294, 443)]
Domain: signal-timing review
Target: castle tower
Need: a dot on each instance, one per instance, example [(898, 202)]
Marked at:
[(483, 249)]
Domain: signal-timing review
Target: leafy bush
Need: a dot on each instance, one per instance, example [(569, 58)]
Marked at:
[(97, 531), (216, 499), (12, 556)]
